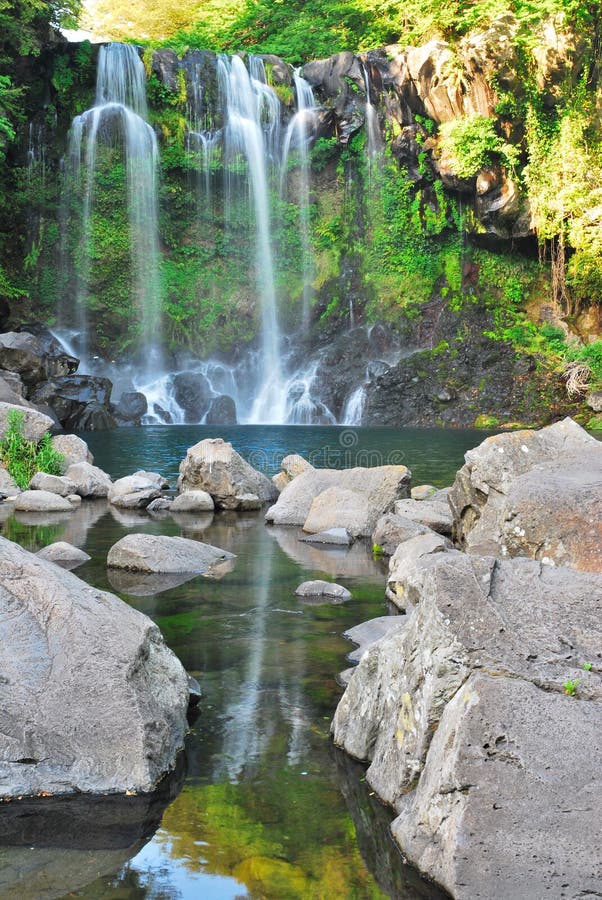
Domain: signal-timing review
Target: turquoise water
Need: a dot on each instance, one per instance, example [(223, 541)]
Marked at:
[(265, 807)]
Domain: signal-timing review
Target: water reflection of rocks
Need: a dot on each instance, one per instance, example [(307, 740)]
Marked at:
[(379, 851), (54, 846)]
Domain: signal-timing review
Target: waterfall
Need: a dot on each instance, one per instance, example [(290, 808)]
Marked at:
[(298, 135), (354, 407), (120, 107), (374, 141), (252, 130)]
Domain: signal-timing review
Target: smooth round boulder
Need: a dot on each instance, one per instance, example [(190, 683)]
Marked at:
[(41, 501), (161, 554), (90, 481), (193, 501), (327, 590), (64, 554)]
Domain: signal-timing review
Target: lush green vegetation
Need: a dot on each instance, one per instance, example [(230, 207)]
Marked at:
[(23, 458)]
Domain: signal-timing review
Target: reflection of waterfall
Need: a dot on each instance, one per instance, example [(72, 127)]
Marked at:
[(252, 130), (120, 108)]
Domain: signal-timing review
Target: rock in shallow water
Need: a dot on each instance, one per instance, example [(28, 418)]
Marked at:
[(91, 699), (64, 555), (41, 501), (160, 554), (214, 466), (327, 590)]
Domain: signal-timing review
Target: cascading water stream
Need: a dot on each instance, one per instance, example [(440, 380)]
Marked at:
[(252, 130), (120, 101), (298, 135), (374, 142)]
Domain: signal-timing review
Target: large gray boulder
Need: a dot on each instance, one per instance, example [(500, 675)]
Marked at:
[(214, 466), (463, 717), (392, 530), (89, 480), (34, 423), (434, 514), (164, 555), (533, 493), (91, 699), (54, 484), (135, 491), (352, 498), (41, 501), (73, 448)]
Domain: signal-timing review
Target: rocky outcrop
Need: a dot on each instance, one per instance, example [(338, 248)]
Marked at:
[(92, 700), (354, 499), (535, 494), (34, 357), (291, 466), (130, 409), (214, 466), (463, 717), (159, 554), (222, 411), (81, 402)]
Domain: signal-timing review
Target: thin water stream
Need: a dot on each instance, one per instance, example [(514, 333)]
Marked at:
[(264, 807)]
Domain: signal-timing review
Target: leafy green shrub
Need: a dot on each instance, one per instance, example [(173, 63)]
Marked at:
[(24, 458), (473, 143)]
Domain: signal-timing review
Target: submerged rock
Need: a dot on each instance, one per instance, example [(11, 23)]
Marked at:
[(214, 466), (91, 699), (164, 555)]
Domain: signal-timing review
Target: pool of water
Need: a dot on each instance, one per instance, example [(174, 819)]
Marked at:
[(263, 806)]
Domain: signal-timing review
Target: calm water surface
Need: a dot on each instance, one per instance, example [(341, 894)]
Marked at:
[(265, 807)]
